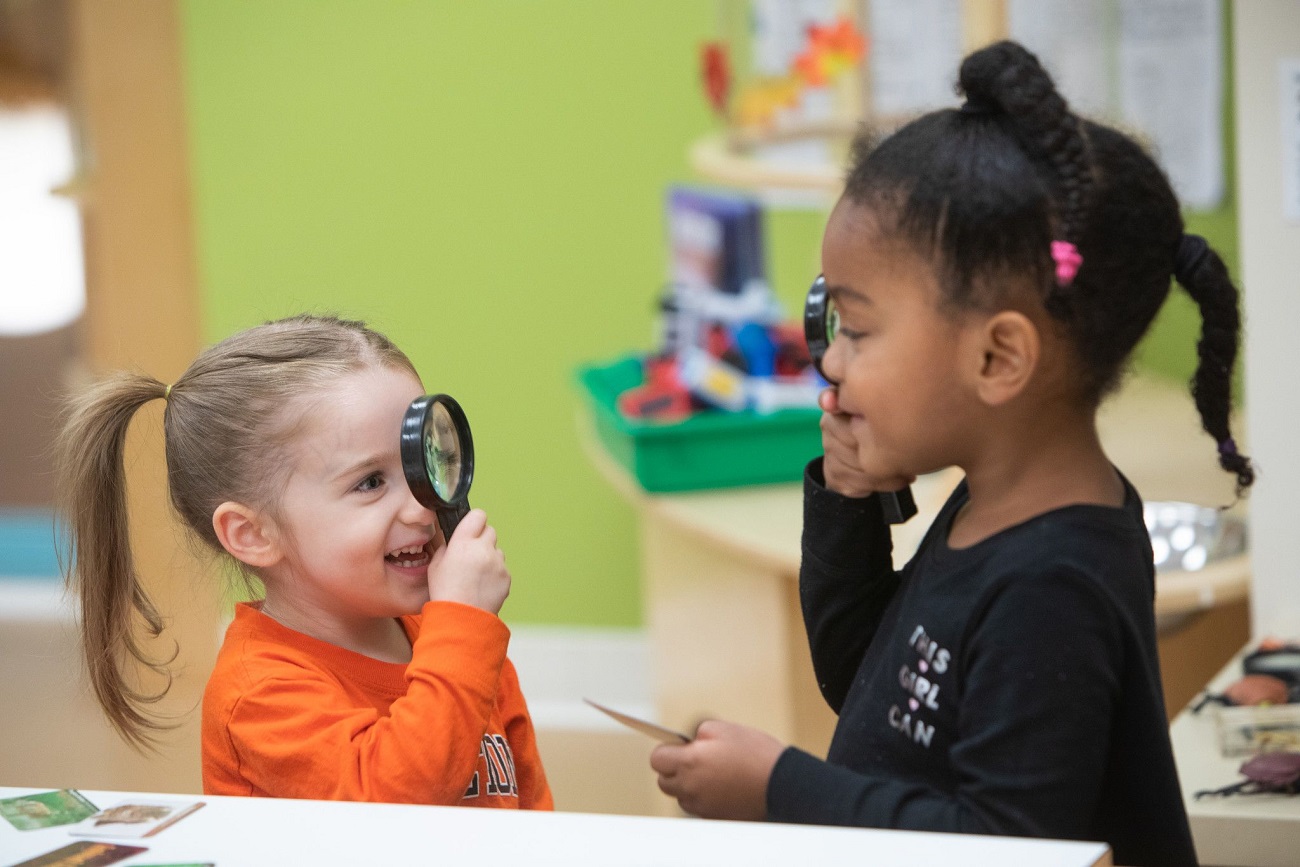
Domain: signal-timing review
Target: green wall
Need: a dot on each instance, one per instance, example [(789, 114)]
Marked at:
[(483, 182)]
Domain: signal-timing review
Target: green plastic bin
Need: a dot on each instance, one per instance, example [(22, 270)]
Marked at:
[(711, 449)]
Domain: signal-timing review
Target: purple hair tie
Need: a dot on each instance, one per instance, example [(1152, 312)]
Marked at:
[(1228, 447), (1067, 259)]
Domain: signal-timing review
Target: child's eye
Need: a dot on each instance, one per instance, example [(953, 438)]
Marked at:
[(371, 482), (850, 333)]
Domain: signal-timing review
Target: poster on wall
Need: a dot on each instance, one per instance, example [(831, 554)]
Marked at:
[(1289, 112), (1153, 66), (778, 35), (1171, 90), (916, 49), (1075, 41)]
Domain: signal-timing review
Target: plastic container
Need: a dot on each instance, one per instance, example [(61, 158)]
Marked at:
[(1263, 729), (711, 449)]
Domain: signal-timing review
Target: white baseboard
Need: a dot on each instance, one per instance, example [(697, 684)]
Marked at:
[(559, 666), (35, 599)]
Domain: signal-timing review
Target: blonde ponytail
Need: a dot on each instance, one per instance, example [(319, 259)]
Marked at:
[(101, 569)]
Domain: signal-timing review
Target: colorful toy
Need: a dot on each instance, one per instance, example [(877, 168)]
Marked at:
[(725, 343), (663, 397)]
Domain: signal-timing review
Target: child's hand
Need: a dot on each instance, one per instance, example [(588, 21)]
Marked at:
[(843, 473), (722, 774), (470, 568)]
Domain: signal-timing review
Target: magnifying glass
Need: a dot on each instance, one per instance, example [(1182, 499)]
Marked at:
[(438, 457), (821, 321)]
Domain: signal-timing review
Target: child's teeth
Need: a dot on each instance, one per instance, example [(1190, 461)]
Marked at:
[(402, 556)]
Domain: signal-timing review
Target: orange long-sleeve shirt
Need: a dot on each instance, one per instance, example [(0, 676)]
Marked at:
[(286, 715)]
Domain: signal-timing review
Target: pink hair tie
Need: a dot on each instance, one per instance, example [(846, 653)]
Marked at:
[(1068, 260)]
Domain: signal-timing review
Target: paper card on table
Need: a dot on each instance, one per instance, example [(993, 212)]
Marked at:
[(139, 817), (658, 732), (83, 853), (46, 809)]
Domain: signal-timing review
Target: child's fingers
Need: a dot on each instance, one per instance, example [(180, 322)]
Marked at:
[(711, 729), (471, 526), (439, 554), (667, 759), (837, 434)]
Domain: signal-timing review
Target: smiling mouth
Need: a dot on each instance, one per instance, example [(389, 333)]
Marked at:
[(410, 557)]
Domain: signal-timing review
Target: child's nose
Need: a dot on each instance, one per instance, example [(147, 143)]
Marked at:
[(833, 361), (415, 512)]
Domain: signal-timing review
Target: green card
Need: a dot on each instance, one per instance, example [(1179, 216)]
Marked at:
[(46, 809)]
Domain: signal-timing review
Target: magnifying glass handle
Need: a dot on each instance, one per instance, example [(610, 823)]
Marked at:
[(449, 518), (898, 506)]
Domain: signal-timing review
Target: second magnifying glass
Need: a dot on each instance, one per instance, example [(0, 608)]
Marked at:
[(821, 320), (438, 457)]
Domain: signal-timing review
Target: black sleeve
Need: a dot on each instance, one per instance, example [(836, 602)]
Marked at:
[(1038, 692), (846, 579)]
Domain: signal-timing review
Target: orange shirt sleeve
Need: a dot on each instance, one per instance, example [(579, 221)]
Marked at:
[(296, 734)]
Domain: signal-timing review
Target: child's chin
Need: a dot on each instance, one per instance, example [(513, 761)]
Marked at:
[(415, 604)]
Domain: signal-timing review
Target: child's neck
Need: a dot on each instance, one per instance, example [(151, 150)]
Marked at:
[(383, 639), (1053, 465)]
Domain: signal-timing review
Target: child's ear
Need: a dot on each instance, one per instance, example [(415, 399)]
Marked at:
[(247, 535), (1010, 352)]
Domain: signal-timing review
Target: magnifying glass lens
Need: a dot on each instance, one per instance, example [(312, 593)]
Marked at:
[(438, 457), (832, 320), (442, 457)]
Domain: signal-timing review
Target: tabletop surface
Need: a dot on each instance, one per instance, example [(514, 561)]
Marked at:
[(1246, 829), (240, 831)]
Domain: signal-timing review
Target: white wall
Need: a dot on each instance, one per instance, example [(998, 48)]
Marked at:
[(1265, 33)]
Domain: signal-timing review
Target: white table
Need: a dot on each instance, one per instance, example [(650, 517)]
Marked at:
[(1248, 831), (254, 831)]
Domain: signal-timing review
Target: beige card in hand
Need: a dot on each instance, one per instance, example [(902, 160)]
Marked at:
[(658, 732)]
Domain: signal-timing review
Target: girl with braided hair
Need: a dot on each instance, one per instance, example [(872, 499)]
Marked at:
[(993, 268)]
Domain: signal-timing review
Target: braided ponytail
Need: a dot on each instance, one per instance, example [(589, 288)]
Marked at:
[(1201, 272), (1006, 77), (1009, 77)]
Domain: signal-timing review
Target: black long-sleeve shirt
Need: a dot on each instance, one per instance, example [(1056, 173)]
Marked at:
[(1010, 687)]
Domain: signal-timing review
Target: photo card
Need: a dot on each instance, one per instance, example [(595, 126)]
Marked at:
[(136, 818), (46, 809)]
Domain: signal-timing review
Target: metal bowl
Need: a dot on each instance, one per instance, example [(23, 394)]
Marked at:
[(1186, 537)]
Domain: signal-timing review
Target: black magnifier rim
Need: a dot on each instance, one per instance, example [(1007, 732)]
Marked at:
[(415, 424), (814, 323)]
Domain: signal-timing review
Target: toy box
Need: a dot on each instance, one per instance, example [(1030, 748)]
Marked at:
[(705, 450)]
